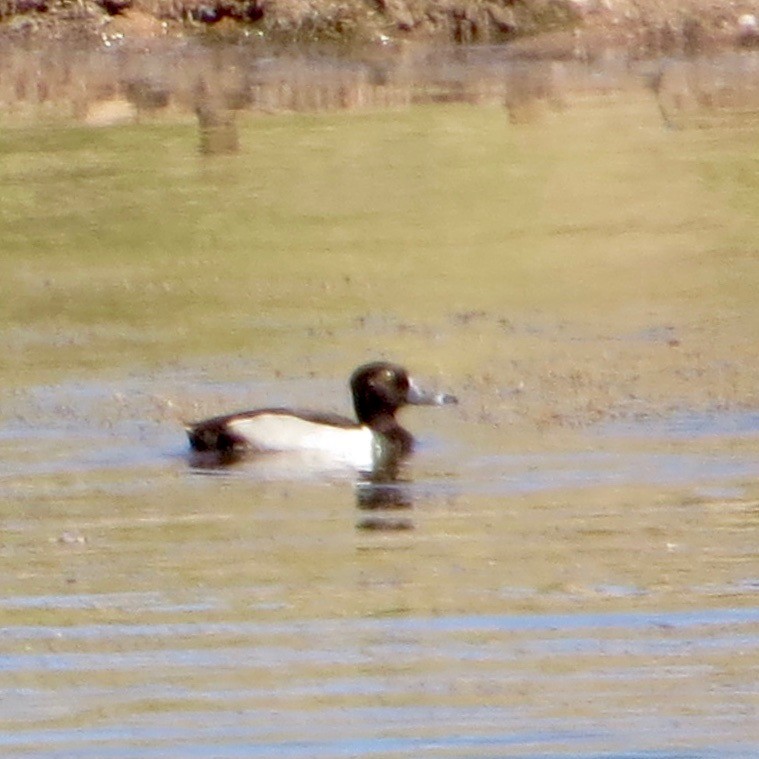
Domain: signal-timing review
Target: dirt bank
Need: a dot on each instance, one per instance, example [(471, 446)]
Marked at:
[(555, 28)]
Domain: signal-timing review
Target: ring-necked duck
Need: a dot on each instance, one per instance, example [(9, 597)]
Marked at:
[(379, 390)]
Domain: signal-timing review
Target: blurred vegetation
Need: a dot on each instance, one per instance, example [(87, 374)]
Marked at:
[(572, 29), (304, 21)]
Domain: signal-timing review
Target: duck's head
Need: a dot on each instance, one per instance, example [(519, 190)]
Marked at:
[(381, 388)]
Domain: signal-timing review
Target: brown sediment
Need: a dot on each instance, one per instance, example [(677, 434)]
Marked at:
[(563, 28)]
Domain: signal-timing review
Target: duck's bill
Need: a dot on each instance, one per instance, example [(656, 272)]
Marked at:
[(418, 397)]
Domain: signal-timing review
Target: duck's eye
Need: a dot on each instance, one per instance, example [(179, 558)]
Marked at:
[(395, 379)]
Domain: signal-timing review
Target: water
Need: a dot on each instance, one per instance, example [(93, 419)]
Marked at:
[(568, 565), (390, 687), (584, 603)]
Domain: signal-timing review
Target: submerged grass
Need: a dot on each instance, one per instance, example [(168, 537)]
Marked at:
[(124, 246)]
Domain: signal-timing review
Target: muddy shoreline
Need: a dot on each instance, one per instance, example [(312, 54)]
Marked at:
[(565, 29)]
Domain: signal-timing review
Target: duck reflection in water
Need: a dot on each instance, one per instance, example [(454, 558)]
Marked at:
[(382, 498), (284, 443)]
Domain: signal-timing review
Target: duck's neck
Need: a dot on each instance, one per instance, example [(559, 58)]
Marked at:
[(399, 441)]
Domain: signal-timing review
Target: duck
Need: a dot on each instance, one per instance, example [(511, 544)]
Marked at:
[(374, 439)]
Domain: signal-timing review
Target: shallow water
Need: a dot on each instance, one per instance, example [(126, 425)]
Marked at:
[(568, 565), (593, 602)]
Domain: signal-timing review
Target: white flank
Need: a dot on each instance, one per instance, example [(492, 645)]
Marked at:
[(356, 447)]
